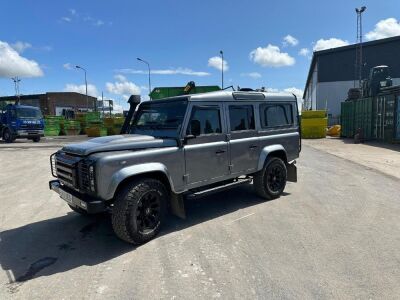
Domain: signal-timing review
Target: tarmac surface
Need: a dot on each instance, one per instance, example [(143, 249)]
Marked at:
[(332, 235)]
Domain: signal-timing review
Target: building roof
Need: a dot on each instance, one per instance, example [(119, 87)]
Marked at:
[(38, 96), (339, 52)]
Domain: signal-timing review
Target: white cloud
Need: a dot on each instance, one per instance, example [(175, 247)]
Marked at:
[(120, 77), (290, 40), (123, 87), (271, 56), (177, 71), (253, 75), (296, 91), (92, 90), (72, 11), (12, 64), (384, 29), (291, 90), (216, 62), (304, 52), (68, 66), (322, 44), (21, 46), (66, 19)]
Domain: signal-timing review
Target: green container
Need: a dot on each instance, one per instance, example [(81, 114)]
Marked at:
[(165, 92), (347, 119)]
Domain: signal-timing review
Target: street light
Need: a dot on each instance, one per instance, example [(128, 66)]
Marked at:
[(87, 99), (222, 67), (148, 66), (359, 54)]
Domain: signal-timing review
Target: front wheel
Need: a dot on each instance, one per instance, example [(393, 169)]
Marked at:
[(7, 136), (270, 182), (139, 210), (36, 139)]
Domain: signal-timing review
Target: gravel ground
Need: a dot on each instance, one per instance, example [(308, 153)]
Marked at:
[(334, 234)]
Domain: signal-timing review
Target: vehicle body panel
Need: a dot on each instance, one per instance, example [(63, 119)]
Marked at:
[(191, 162)]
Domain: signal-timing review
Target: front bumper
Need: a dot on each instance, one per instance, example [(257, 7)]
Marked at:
[(89, 204), (30, 133)]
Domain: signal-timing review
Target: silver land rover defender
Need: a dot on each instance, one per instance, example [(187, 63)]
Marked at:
[(179, 148)]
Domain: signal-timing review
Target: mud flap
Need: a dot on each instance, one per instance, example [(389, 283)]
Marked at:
[(291, 172), (178, 206)]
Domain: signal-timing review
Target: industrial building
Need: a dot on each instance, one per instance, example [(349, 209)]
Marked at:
[(332, 72), (55, 103)]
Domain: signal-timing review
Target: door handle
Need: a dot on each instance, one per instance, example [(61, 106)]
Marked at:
[(253, 146), (220, 152)]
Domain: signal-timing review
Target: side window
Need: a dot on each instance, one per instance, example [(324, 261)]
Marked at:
[(204, 120), (241, 117), (276, 115)]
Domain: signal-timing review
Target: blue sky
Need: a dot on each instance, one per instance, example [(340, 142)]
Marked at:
[(41, 40)]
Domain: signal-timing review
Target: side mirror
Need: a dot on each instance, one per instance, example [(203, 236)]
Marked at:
[(189, 137)]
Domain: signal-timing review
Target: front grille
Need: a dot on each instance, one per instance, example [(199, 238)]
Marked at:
[(30, 126), (66, 169), (84, 176), (71, 170)]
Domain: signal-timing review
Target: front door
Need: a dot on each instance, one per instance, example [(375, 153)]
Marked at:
[(206, 148)]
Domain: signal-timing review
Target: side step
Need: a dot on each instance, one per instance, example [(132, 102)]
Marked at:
[(217, 189)]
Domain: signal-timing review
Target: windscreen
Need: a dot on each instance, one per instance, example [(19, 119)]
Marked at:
[(159, 118), (29, 113)]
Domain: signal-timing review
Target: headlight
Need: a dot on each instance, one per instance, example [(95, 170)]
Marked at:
[(87, 175), (91, 178)]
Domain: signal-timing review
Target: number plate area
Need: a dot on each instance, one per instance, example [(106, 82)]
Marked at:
[(66, 196)]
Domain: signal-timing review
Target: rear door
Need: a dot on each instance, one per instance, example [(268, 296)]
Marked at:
[(206, 147), (244, 144)]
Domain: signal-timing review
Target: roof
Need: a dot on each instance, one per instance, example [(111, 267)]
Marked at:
[(235, 96), (339, 50)]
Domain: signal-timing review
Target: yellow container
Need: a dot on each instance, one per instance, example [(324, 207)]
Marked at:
[(311, 114), (314, 128)]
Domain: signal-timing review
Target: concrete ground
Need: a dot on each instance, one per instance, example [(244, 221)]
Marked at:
[(334, 234), (382, 157)]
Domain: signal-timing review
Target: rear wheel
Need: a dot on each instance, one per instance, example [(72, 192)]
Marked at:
[(36, 139), (270, 182), (139, 210), (7, 136)]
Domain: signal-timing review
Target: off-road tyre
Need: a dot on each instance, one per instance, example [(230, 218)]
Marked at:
[(270, 182), (139, 210)]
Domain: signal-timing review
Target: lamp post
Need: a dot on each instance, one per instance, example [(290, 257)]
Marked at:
[(359, 58), (16, 86), (87, 98), (148, 66), (222, 67)]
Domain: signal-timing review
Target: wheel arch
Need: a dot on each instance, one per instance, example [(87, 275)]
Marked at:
[(151, 170), (271, 151)]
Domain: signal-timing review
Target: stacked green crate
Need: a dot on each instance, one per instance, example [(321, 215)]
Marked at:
[(113, 125), (94, 125), (72, 127), (52, 125)]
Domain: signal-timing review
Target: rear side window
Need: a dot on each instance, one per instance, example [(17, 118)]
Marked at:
[(276, 115), (241, 117), (204, 120)]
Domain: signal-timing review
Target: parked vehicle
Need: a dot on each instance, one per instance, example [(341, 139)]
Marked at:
[(181, 148), (21, 121)]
